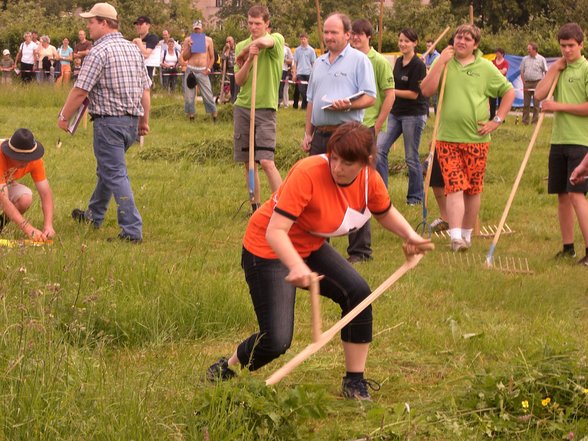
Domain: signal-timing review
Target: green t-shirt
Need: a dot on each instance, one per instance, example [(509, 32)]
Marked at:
[(572, 88), (465, 102), (384, 82), (269, 75)]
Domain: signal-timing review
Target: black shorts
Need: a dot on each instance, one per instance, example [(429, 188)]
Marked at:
[(563, 159), (436, 175)]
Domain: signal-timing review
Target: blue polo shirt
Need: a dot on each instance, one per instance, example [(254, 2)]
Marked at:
[(350, 73), (304, 57)]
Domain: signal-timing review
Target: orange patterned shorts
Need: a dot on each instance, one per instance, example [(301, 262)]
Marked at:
[(463, 166)]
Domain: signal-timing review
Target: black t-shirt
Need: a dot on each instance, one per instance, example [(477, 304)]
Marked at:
[(409, 77), (151, 41)]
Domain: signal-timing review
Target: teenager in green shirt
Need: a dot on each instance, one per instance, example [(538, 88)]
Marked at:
[(464, 129), (569, 137), (269, 49)]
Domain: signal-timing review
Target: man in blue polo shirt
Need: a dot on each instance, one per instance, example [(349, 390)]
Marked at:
[(336, 75), (304, 58)]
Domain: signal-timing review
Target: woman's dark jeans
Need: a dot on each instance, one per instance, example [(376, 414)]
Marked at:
[(274, 298)]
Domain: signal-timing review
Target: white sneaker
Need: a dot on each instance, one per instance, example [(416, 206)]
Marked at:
[(458, 245)]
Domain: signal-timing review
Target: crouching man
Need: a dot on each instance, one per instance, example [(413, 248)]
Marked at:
[(20, 155)]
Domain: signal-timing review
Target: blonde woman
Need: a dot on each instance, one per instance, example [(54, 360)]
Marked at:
[(65, 57)]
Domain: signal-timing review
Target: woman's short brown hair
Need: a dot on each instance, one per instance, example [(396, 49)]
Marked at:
[(353, 142)]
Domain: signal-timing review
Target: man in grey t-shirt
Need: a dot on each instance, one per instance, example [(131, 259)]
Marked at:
[(533, 69)]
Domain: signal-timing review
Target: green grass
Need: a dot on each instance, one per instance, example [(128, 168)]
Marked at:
[(104, 340)]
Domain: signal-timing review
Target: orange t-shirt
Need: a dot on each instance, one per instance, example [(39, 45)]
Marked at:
[(9, 172), (311, 198)]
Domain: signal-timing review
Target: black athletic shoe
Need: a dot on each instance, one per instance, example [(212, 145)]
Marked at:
[(80, 216), (125, 238), (357, 388), (566, 254), (583, 261), (219, 371)]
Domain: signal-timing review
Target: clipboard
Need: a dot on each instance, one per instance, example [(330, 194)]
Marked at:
[(198, 43), (351, 98), (74, 121)]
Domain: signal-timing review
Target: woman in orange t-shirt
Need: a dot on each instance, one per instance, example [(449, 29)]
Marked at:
[(322, 196)]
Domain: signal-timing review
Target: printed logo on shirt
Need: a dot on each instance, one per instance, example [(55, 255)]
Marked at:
[(340, 74), (472, 73)]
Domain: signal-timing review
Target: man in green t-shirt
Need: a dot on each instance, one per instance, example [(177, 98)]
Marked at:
[(269, 49), (464, 131), (569, 137), (375, 117)]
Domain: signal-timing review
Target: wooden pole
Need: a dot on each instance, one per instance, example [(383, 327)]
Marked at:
[(432, 148), (252, 133), (381, 26), (436, 42), (315, 307), (319, 26), (471, 13)]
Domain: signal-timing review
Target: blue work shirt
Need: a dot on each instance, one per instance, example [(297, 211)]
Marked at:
[(350, 73), (304, 57)]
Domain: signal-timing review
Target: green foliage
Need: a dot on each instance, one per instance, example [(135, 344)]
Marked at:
[(545, 396), (427, 20), (249, 410), (504, 23)]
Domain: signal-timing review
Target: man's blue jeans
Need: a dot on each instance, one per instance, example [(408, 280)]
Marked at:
[(411, 127), (112, 138), (203, 82), (273, 300)]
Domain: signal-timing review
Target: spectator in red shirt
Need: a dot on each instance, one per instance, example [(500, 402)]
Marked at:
[(502, 65)]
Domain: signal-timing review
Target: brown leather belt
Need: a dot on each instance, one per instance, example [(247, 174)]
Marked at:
[(326, 129)]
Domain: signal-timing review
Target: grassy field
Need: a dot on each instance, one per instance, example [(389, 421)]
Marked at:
[(110, 341)]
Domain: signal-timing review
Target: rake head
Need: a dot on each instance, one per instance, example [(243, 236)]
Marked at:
[(12, 243), (511, 265), (487, 231)]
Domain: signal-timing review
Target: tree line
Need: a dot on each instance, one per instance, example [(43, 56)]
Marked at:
[(509, 24)]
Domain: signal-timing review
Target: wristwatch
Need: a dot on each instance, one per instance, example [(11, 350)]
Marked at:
[(497, 120)]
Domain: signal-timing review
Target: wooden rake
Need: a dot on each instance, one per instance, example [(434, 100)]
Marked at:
[(490, 262), (320, 339), (424, 227)]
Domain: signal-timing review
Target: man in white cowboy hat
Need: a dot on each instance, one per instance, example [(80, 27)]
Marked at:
[(115, 81), (21, 155)]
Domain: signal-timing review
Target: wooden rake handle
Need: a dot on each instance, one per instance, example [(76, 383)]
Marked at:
[(251, 167), (517, 181), (436, 42), (427, 182), (325, 337), (315, 307)]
